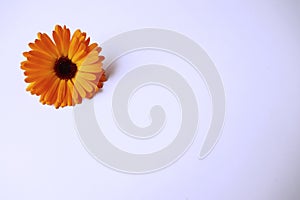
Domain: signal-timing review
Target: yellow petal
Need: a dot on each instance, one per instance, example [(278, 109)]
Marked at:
[(96, 67)]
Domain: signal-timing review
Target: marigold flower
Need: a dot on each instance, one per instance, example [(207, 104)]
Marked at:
[(64, 71)]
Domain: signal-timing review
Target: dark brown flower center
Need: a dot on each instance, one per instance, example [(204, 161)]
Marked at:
[(64, 68)]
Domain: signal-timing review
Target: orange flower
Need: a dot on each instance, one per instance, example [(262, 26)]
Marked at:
[(65, 70)]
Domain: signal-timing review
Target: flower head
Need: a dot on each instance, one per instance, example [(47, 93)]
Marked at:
[(64, 70)]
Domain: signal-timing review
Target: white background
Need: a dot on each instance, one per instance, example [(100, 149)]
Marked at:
[(255, 46)]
